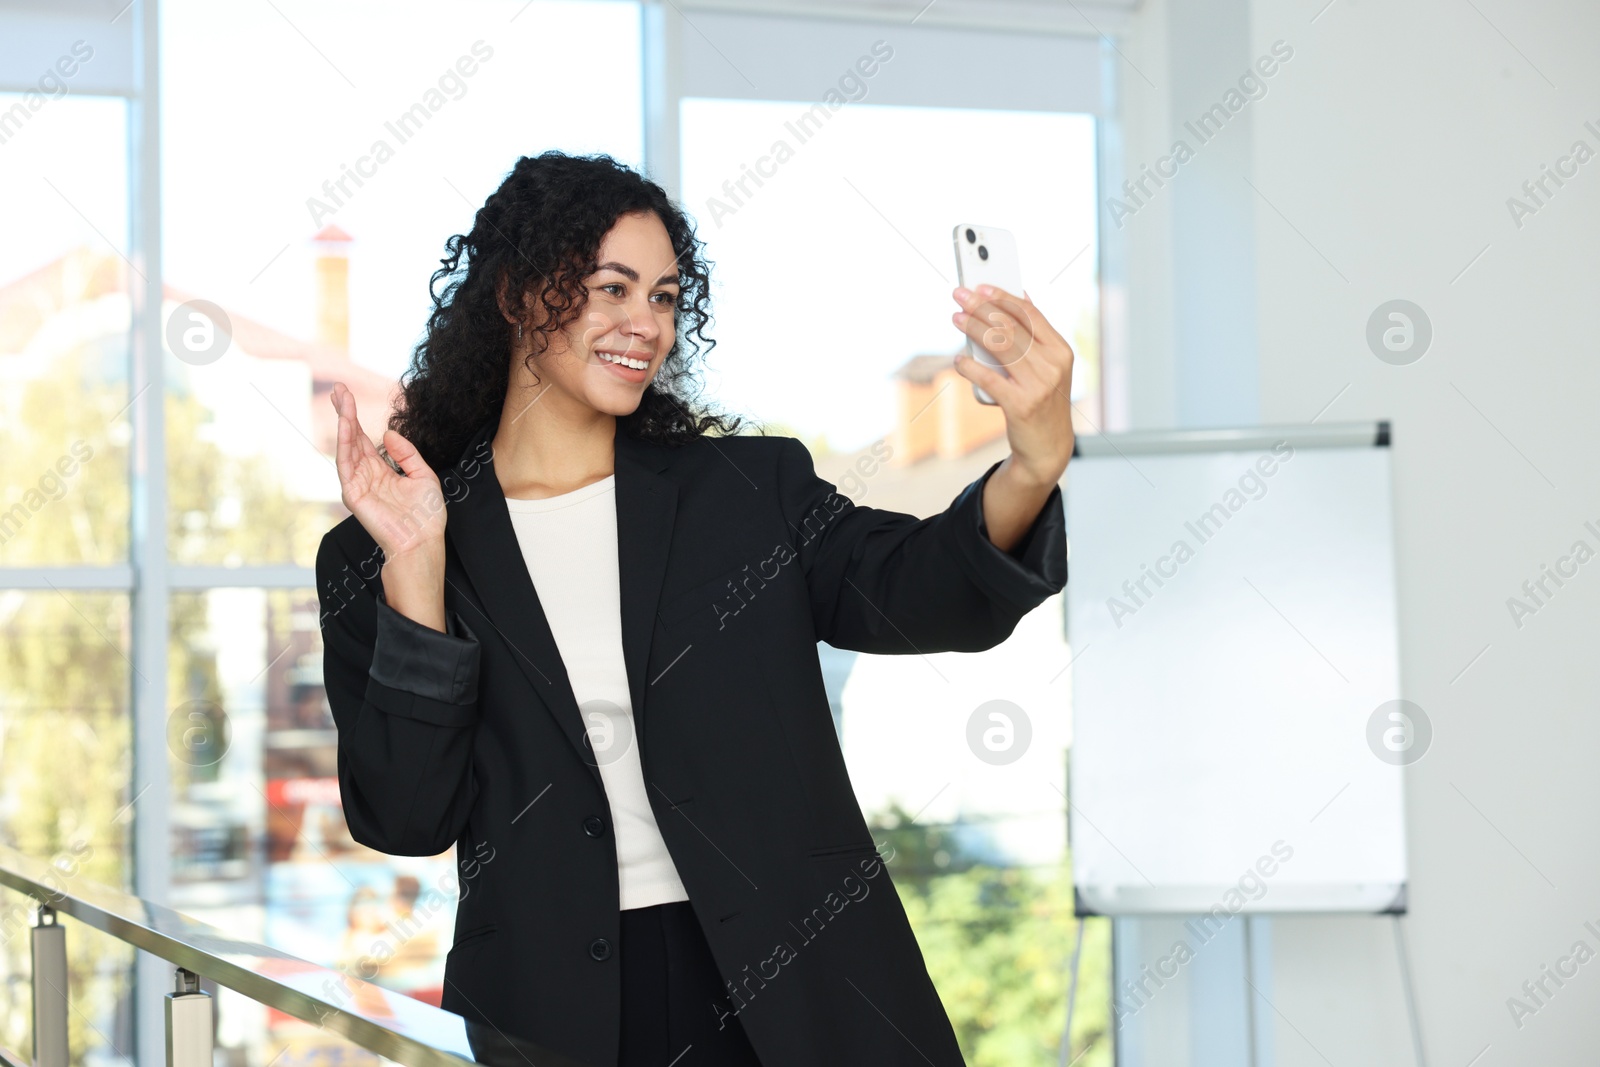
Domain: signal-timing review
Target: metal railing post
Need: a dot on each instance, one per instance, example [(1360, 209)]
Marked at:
[(49, 990), (189, 1032)]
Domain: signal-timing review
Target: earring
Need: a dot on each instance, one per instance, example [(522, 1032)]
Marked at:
[(519, 333)]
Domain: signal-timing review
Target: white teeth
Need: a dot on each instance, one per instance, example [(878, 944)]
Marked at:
[(636, 364)]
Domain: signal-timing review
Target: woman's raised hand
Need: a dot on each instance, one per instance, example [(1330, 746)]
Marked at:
[(1034, 391), (405, 515)]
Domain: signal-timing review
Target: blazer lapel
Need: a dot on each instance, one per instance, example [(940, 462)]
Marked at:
[(479, 527)]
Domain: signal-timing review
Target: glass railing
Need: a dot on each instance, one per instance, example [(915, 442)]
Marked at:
[(384, 1022)]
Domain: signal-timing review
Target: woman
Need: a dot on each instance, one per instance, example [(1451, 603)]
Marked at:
[(599, 680)]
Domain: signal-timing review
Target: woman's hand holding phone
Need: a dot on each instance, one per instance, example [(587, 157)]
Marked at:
[(1034, 392)]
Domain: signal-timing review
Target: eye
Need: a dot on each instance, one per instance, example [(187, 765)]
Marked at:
[(607, 288), (666, 299)]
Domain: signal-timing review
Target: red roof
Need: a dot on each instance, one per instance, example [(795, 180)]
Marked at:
[(86, 274), (330, 232), (375, 393)]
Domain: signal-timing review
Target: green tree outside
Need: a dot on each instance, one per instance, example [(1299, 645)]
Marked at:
[(998, 944)]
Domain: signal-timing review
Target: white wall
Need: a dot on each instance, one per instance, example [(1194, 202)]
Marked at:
[(1387, 148)]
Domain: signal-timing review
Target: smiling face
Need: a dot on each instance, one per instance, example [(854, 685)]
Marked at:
[(606, 358)]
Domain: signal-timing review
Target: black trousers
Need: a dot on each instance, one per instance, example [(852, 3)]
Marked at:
[(670, 993)]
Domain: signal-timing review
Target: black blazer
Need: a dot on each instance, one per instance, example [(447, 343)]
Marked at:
[(735, 560)]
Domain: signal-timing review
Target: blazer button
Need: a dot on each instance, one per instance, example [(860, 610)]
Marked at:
[(600, 949), (594, 826)]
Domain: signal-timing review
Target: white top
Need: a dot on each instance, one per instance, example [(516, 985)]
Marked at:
[(569, 543)]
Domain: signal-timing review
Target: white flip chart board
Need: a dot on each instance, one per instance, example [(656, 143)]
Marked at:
[(1231, 612)]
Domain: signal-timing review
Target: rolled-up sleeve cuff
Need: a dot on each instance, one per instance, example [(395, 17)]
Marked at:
[(409, 658), (1029, 574), (408, 705)]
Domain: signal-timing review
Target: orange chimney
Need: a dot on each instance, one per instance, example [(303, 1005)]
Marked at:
[(333, 287), (937, 413)]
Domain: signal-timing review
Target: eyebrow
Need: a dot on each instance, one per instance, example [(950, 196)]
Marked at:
[(633, 275)]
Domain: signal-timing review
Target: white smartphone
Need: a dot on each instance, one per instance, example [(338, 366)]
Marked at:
[(986, 255)]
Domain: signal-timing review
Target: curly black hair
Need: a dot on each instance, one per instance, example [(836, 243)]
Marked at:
[(540, 232)]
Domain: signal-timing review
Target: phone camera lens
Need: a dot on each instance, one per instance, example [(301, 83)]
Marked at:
[(972, 238), (983, 252)]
